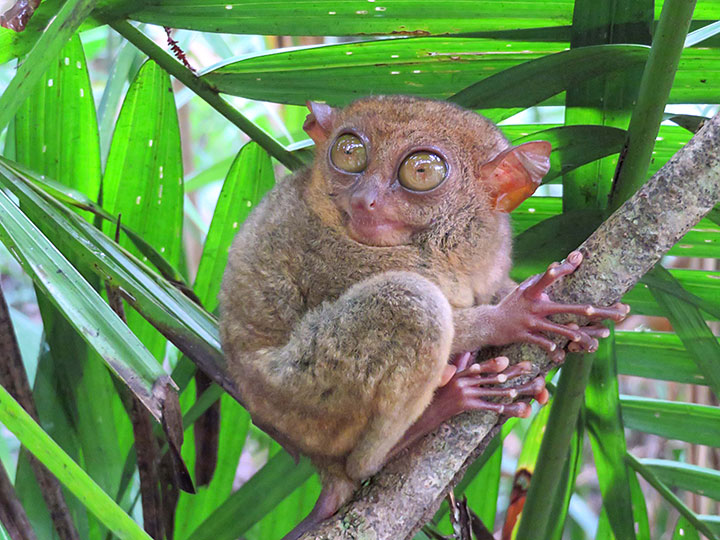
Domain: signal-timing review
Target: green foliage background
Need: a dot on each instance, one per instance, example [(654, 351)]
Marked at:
[(93, 126)]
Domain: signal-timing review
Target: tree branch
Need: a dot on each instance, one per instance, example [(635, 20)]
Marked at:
[(408, 491)]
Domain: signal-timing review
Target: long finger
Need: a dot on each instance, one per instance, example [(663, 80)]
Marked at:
[(571, 332), (617, 312), (518, 409), (554, 272)]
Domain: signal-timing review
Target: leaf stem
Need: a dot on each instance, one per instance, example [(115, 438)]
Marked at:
[(554, 449), (668, 495), (206, 92), (657, 80)]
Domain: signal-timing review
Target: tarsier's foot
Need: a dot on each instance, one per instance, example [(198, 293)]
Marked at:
[(527, 307), (466, 384)]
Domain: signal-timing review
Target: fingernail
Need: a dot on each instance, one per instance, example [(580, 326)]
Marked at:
[(575, 257)]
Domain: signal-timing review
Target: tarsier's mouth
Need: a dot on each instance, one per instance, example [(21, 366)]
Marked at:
[(375, 231)]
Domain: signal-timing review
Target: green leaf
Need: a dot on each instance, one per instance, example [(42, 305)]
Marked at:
[(67, 150), (482, 491), (354, 17), (551, 240), (65, 469), (685, 531), (258, 496), (690, 326), (703, 286), (250, 177), (530, 83), (143, 179), (678, 475), (234, 425), (338, 74), (698, 424), (53, 38), (574, 146), (82, 306), (604, 424), (669, 496), (178, 317), (656, 355)]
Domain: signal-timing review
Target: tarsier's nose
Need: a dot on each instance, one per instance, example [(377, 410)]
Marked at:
[(364, 199)]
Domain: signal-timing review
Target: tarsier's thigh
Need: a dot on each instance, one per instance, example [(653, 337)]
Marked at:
[(379, 351), (396, 332)]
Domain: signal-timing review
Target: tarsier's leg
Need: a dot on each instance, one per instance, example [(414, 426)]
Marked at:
[(391, 337), (333, 495)]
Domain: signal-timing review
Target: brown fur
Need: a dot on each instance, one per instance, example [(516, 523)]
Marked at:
[(339, 345)]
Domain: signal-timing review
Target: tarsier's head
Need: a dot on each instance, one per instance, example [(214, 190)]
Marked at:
[(393, 168)]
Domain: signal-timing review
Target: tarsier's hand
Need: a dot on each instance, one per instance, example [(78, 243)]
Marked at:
[(465, 384), (525, 310)]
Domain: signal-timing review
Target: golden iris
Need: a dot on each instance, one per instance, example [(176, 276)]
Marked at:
[(349, 154), (422, 171)]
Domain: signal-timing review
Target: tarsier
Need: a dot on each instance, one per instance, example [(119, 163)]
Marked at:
[(358, 288)]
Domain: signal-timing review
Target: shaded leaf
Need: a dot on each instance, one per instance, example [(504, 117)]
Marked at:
[(690, 326), (530, 83), (656, 355), (83, 307), (678, 475), (259, 495), (699, 424), (605, 427), (66, 470), (573, 146)]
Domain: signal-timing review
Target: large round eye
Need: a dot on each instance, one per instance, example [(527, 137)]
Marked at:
[(348, 153), (422, 171)]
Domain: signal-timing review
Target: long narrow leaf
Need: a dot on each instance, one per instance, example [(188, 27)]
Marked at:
[(328, 17), (79, 302), (67, 471), (698, 424), (607, 437), (192, 329), (677, 475), (690, 326), (68, 19), (656, 355), (669, 496), (270, 485)]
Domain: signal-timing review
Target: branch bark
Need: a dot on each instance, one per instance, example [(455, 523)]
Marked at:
[(406, 493)]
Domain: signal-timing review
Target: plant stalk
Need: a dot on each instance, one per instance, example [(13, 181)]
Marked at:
[(554, 449), (657, 80), (207, 93)]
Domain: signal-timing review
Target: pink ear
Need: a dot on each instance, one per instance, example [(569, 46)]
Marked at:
[(514, 174), (318, 123)]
